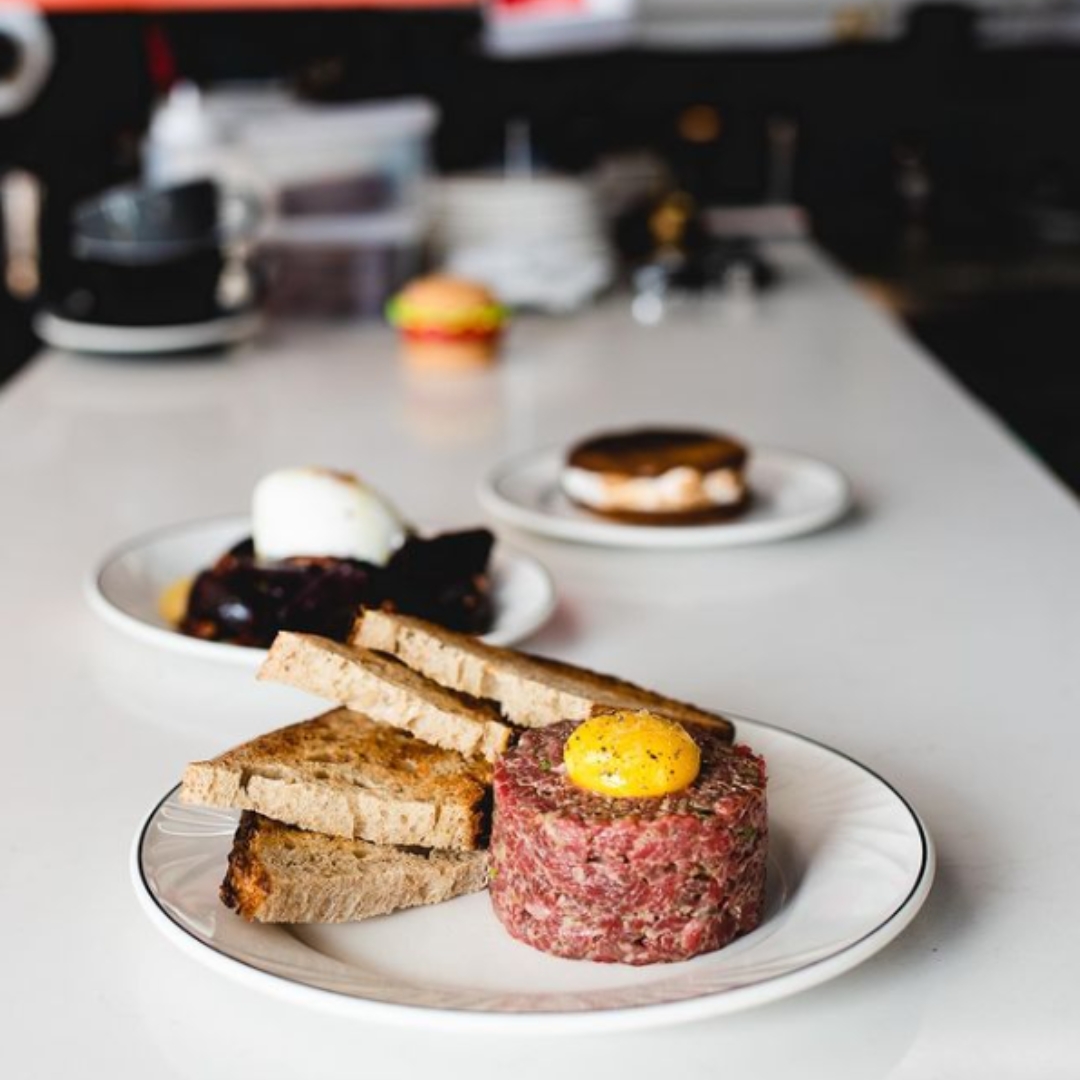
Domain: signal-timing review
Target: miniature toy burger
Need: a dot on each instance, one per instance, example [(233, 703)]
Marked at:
[(447, 324)]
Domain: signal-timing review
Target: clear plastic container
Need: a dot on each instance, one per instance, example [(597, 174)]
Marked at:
[(340, 266), (346, 190), (340, 158)]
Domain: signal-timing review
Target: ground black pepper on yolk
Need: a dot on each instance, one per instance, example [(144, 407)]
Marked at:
[(631, 754)]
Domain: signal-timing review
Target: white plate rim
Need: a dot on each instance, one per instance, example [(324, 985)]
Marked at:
[(504, 559), (587, 529), (594, 1021), (105, 338)]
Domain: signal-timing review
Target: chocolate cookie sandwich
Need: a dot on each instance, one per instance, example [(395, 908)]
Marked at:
[(659, 476)]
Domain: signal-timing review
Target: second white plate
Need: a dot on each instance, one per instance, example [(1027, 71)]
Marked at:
[(125, 589), (793, 494)]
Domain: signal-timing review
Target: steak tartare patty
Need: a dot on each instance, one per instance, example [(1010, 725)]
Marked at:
[(627, 880)]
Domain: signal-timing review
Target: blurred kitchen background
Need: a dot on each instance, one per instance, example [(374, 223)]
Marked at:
[(932, 149)]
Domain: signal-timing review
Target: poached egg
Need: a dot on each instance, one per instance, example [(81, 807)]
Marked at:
[(317, 512)]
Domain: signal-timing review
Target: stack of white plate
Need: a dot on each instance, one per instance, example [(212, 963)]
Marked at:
[(538, 242)]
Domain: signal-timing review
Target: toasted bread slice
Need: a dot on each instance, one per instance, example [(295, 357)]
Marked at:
[(531, 691), (345, 775), (280, 874), (387, 691)]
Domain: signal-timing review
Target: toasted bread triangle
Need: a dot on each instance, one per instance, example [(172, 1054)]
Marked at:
[(278, 873), (386, 690), (531, 691), (346, 775)]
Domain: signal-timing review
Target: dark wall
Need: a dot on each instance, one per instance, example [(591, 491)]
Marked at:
[(79, 136), (992, 127)]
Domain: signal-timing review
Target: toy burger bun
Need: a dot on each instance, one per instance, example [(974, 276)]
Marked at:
[(447, 323)]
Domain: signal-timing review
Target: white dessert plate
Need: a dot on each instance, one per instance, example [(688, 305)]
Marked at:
[(74, 336), (793, 495), (850, 865), (126, 587)]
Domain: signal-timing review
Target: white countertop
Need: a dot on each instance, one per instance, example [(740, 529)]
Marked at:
[(935, 637)]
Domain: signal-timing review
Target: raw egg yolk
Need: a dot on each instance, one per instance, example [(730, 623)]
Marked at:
[(633, 754)]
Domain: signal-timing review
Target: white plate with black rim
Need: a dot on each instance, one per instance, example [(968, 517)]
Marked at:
[(850, 865), (127, 586), (793, 494)]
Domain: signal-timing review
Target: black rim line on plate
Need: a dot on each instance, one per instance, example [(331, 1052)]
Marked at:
[(562, 1014)]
